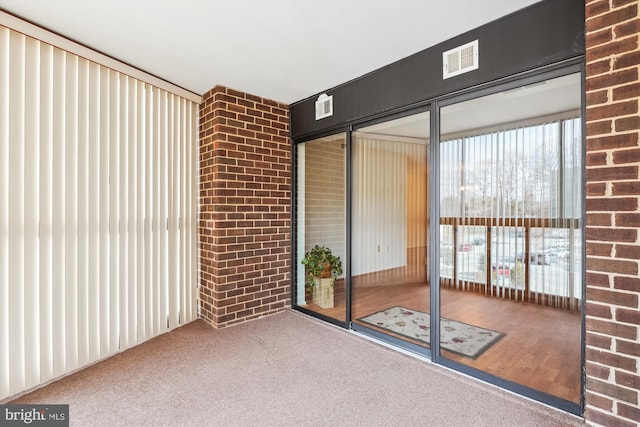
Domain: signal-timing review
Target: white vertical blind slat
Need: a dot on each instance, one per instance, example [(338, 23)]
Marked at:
[(58, 215), (189, 231), (94, 236), (114, 211), (4, 211), (155, 216), (186, 231), (71, 212), (160, 192), (104, 210), (148, 212), (45, 214), (97, 212), (163, 221), (132, 212), (17, 333), (31, 168), (83, 212), (124, 212), (182, 214), (174, 185), (140, 208), (192, 231), (195, 204)]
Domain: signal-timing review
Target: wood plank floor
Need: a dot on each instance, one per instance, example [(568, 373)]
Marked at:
[(541, 348)]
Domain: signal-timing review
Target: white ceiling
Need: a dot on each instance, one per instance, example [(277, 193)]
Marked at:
[(284, 50), (533, 103)]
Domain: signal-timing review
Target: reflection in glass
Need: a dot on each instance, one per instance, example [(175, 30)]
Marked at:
[(390, 228), (511, 245), (321, 217)]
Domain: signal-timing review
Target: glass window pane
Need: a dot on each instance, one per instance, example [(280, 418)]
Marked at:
[(511, 202), (390, 229), (321, 218)]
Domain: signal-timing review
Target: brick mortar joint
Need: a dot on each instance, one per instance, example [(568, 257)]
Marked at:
[(603, 411), (611, 88), (614, 132), (614, 307), (599, 334), (613, 350), (610, 258), (602, 319), (612, 398), (610, 10), (609, 91), (612, 382), (613, 40), (612, 181)]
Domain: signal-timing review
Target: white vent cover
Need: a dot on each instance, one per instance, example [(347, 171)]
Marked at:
[(324, 106), (460, 60)]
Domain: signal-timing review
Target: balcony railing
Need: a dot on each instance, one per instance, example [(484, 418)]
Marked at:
[(525, 259)]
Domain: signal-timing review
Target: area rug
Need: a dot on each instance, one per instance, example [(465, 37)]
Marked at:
[(461, 338)]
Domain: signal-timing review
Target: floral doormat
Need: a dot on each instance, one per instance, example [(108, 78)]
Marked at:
[(458, 337)]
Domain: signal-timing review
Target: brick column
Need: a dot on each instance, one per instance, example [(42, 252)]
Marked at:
[(613, 215), (244, 221)]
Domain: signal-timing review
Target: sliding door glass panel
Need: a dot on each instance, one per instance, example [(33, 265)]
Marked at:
[(321, 219), (511, 241), (390, 228)]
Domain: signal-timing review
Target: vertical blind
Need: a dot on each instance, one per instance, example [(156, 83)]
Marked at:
[(97, 212), (389, 202), (511, 213)]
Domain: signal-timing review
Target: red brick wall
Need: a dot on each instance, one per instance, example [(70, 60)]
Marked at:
[(613, 215), (244, 220)]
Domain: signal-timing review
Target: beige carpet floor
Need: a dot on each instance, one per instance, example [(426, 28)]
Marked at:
[(283, 370)]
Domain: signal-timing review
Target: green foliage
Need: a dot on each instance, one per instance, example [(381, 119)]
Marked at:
[(318, 260)]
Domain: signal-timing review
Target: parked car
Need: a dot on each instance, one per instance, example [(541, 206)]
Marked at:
[(501, 269), (542, 256), (464, 247)]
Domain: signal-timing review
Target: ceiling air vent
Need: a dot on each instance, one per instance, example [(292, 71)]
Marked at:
[(460, 60), (324, 106)]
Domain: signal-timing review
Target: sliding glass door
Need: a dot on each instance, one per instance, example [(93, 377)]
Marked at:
[(510, 235), (390, 229), (478, 237)]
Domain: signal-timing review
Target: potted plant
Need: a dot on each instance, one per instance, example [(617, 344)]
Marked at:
[(322, 267)]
